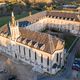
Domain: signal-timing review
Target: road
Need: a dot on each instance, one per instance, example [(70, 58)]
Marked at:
[(67, 72)]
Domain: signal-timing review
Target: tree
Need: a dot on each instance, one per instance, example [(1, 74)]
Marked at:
[(9, 7)]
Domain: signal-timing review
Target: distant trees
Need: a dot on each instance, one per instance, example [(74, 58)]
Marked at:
[(9, 7)]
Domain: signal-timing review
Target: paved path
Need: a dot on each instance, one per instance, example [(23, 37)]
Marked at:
[(67, 73)]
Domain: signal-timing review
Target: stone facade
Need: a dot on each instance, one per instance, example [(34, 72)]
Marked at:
[(40, 60), (56, 23)]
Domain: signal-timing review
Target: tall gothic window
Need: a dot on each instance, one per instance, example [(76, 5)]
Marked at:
[(19, 49), (35, 56), (41, 58), (29, 53), (57, 57), (15, 56), (24, 51), (60, 59), (72, 28), (48, 61)]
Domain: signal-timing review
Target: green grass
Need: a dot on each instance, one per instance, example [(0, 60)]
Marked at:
[(4, 20), (69, 40)]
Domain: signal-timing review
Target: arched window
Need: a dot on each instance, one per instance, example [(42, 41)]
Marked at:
[(73, 28), (35, 56), (29, 53), (48, 61), (24, 51), (19, 49), (41, 58), (57, 57), (15, 56)]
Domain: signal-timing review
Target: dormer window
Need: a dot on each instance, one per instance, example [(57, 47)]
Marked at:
[(72, 19), (24, 41), (33, 43), (6, 34), (30, 43), (52, 16), (2, 34), (19, 39), (67, 18), (36, 45), (56, 16), (42, 47), (63, 17), (59, 17)]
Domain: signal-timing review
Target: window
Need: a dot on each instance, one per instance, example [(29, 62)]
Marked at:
[(41, 66), (60, 59), (35, 56), (48, 61), (57, 57), (47, 69), (29, 53), (72, 28), (24, 51), (19, 50), (15, 56), (41, 58)]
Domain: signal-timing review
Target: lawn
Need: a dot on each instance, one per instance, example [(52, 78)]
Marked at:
[(69, 40)]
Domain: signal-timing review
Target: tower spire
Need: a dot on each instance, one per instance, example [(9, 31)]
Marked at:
[(14, 28), (13, 22)]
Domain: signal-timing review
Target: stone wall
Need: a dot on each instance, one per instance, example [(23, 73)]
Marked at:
[(59, 24)]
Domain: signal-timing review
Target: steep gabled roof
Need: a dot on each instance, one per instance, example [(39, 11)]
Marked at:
[(42, 39), (63, 15)]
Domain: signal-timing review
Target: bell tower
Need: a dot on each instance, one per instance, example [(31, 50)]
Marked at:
[(14, 28)]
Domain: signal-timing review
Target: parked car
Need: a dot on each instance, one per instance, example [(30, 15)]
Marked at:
[(76, 65)]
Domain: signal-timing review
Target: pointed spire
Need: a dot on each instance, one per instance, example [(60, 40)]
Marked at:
[(12, 14), (12, 19)]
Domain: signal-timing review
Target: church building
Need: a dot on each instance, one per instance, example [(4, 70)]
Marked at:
[(23, 40)]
